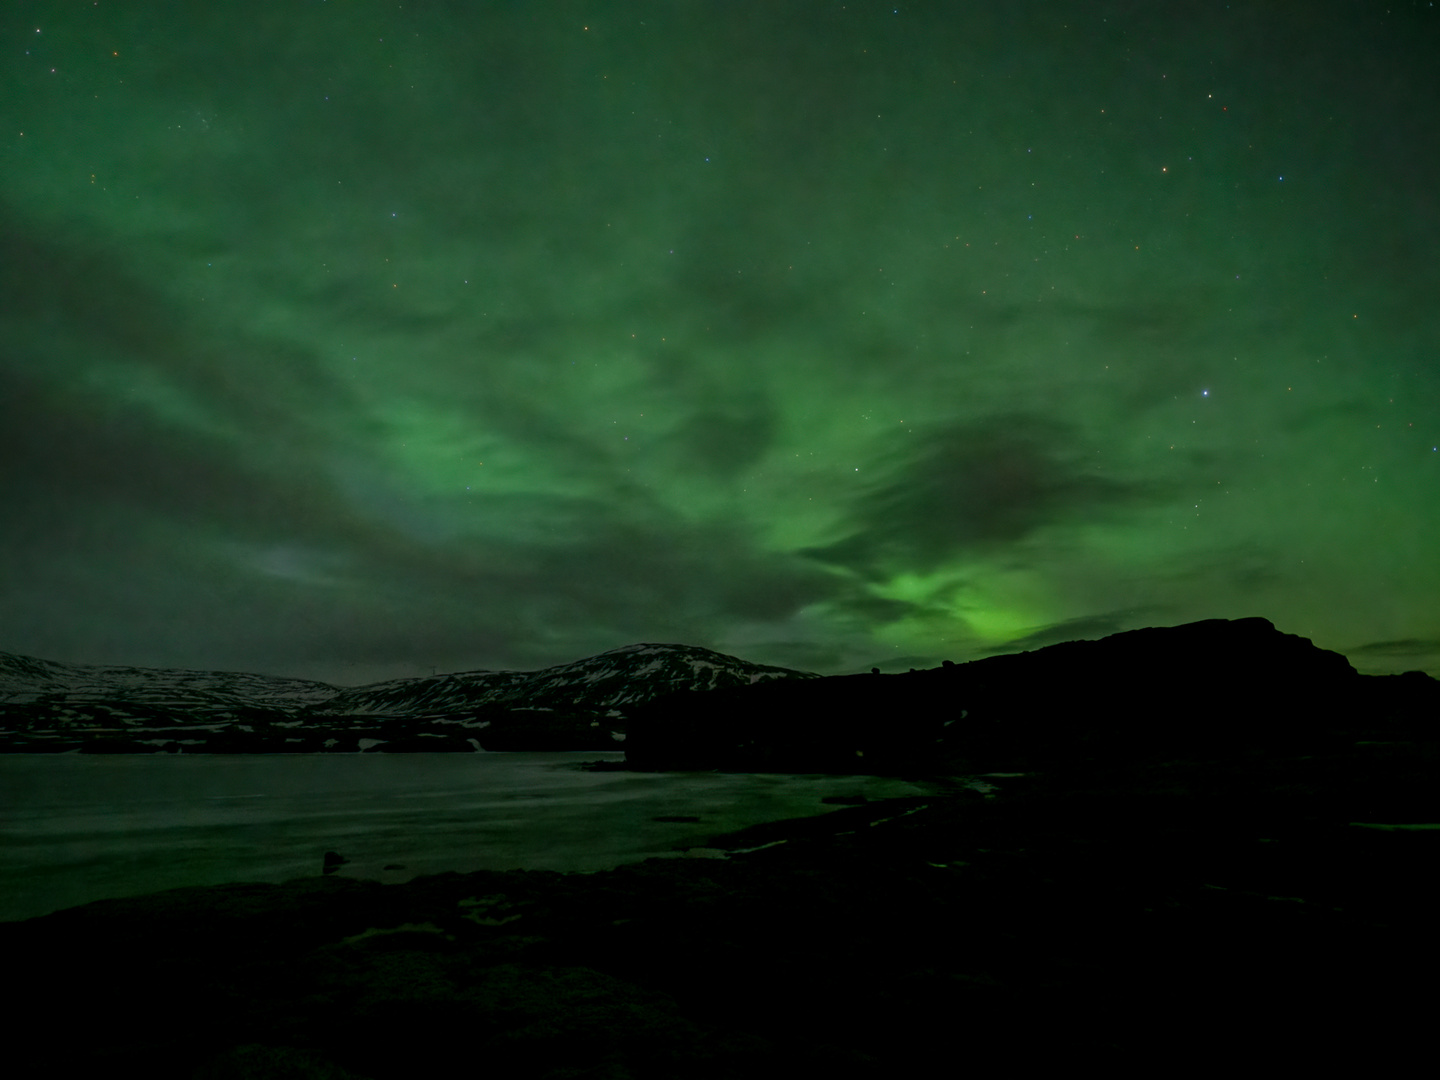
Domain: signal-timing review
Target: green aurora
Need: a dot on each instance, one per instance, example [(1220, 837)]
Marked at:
[(352, 340)]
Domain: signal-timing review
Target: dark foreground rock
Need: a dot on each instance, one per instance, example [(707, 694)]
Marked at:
[(1148, 918)]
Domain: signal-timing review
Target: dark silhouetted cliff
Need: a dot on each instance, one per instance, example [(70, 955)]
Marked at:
[(1191, 689)]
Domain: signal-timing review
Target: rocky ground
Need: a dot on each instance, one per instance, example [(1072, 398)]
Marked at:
[(1159, 915)]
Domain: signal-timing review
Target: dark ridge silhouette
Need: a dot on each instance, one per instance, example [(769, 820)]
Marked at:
[(1198, 688)]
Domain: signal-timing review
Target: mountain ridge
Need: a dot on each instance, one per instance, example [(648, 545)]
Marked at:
[(1196, 688), (683, 706), (50, 706)]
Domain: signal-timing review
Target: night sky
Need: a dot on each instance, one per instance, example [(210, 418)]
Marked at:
[(356, 340)]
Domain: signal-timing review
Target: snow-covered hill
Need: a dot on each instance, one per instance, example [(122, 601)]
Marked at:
[(599, 684), (49, 706), (26, 679)]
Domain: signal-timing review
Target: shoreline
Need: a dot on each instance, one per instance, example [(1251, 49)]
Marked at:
[(1171, 912)]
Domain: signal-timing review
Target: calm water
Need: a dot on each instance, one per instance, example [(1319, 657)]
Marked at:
[(76, 828)]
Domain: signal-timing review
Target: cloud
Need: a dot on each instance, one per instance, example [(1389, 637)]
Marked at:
[(971, 487), (1087, 627), (1402, 654), (724, 443)]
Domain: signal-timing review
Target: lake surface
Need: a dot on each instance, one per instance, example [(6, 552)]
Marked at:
[(76, 828)]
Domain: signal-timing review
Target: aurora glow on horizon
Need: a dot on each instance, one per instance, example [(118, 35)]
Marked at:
[(352, 340)]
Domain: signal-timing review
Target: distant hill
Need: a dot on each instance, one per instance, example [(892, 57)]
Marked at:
[(1198, 689), (52, 707), (1191, 690), (601, 684), (24, 679)]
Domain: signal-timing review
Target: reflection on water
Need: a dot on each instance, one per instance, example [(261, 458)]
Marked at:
[(76, 828)]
